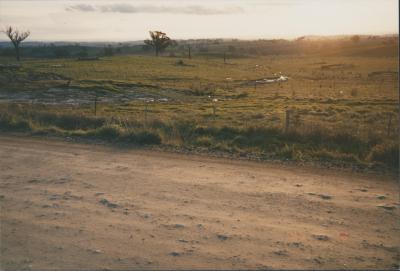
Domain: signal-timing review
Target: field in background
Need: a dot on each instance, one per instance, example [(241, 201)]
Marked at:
[(334, 108)]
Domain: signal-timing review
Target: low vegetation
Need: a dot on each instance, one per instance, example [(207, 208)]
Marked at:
[(340, 148), (336, 108)]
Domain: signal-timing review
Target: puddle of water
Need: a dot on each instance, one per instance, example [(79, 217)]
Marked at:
[(75, 97)]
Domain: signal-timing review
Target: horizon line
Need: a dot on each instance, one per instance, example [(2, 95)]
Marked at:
[(217, 38)]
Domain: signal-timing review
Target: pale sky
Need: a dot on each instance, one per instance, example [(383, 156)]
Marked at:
[(128, 20)]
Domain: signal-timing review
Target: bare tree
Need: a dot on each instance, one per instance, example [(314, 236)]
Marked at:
[(159, 41), (16, 38)]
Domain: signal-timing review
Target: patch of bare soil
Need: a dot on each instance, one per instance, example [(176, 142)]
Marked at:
[(67, 206)]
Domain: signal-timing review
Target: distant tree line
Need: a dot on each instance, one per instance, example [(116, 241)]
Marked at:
[(160, 44)]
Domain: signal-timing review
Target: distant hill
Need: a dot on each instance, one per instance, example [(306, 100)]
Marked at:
[(6, 44), (361, 45)]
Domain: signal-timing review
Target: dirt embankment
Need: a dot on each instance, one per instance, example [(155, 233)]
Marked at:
[(68, 206)]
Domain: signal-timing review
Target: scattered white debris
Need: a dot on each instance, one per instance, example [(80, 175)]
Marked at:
[(281, 78), (147, 100)]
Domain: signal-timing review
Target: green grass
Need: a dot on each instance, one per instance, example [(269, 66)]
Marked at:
[(338, 116), (336, 148)]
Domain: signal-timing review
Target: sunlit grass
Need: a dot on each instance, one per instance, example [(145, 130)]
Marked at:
[(325, 102)]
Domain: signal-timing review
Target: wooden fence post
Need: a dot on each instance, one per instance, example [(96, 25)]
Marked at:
[(214, 109), (389, 127), (145, 115), (190, 54), (287, 121), (95, 104)]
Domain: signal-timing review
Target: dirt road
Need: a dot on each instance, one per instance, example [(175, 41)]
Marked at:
[(67, 206)]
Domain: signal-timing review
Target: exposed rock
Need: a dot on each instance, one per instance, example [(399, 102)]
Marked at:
[(222, 237), (318, 261), (175, 254), (174, 226), (108, 204), (281, 252), (322, 196), (325, 196), (321, 237)]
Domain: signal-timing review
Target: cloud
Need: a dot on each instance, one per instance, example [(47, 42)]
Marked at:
[(81, 7), (128, 8)]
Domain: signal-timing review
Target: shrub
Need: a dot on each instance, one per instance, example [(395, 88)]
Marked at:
[(258, 136), (335, 157), (10, 123), (141, 138), (225, 133), (286, 152), (387, 154), (108, 133), (185, 129), (204, 141), (239, 140), (348, 142), (67, 122), (341, 141), (49, 131)]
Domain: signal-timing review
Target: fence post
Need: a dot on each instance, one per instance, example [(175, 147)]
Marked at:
[(287, 121), (190, 55), (214, 109), (95, 104), (389, 127), (214, 106), (145, 115), (224, 58)]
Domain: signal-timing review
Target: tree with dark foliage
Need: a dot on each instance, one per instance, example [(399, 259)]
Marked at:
[(108, 51), (61, 52), (16, 38), (159, 41), (83, 52)]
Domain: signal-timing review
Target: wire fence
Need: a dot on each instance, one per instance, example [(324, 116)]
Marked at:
[(383, 124)]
